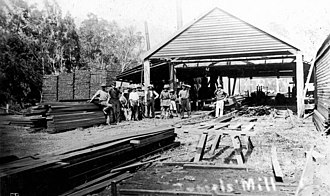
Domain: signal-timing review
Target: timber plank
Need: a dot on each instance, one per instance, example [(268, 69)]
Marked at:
[(200, 148), (305, 187), (217, 166), (276, 165)]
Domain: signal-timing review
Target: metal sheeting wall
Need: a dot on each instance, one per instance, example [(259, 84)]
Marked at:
[(219, 34), (321, 115)]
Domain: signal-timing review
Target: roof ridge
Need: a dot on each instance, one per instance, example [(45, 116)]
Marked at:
[(190, 24)]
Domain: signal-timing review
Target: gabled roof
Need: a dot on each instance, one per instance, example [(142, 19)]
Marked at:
[(218, 34)]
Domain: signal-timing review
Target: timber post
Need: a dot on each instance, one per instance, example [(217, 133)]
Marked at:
[(300, 84), (146, 76), (172, 76)]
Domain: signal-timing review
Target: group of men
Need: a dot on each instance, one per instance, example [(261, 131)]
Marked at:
[(172, 104), (130, 104)]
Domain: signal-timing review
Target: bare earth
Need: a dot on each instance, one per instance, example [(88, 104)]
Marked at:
[(291, 137)]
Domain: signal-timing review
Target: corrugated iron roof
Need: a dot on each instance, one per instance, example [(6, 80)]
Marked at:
[(219, 34)]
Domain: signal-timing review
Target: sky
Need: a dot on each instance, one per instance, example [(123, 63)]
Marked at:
[(303, 23)]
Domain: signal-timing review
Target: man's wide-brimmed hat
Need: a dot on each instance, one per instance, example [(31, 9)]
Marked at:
[(186, 85), (171, 90), (103, 85), (150, 86), (166, 86)]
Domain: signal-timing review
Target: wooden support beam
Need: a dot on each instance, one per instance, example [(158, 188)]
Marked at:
[(234, 85), (300, 84), (223, 132), (277, 85), (238, 149), (221, 125), (215, 143), (146, 77), (200, 148), (276, 166), (305, 187), (218, 166), (229, 89), (309, 77), (172, 76)]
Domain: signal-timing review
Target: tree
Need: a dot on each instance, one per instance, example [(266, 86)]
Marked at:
[(129, 48), (19, 63), (104, 45)]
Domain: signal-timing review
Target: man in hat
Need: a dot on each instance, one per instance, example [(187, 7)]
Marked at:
[(185, 100), (103, 98), (165, 101), (141, 104), (124, 104), (173, 98), (151, 96), (134, 100), (114, 101), (221, 97)]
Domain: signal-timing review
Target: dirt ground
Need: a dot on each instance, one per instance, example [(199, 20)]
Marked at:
[(291, 137)]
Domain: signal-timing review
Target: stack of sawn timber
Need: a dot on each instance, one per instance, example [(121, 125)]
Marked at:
[(66, 116), (61, 116), (321, 116), (62, 171)]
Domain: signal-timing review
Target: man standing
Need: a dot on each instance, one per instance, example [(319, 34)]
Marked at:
[(134, 100), (141, 104), (124, 104), (221, 97), (184, 98), (103, 100), (151, 96), (114, 100), (173, 98), (165, 101)]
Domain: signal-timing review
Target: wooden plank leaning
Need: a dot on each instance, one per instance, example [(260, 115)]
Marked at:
[(200, 148), (276, 165), (305, 186)]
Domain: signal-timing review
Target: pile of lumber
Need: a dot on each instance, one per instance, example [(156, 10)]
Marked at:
[(66, 116), (255, 111), (58, 116), (34, 122), (321, 123), (84, 169)]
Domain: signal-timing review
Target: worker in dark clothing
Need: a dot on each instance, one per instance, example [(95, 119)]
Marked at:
[(151, 96), (184, 97), (114, 101)]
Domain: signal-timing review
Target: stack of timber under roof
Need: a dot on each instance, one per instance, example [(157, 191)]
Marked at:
[(321, 115)]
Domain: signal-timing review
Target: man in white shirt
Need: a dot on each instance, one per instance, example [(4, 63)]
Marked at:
[(103, 98), (134, 100)]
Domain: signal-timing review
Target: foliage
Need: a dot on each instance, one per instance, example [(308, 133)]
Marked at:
[(105, 45), (20, 66), (34, 42)]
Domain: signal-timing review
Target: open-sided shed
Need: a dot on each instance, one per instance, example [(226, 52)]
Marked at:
[(221, 44)]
